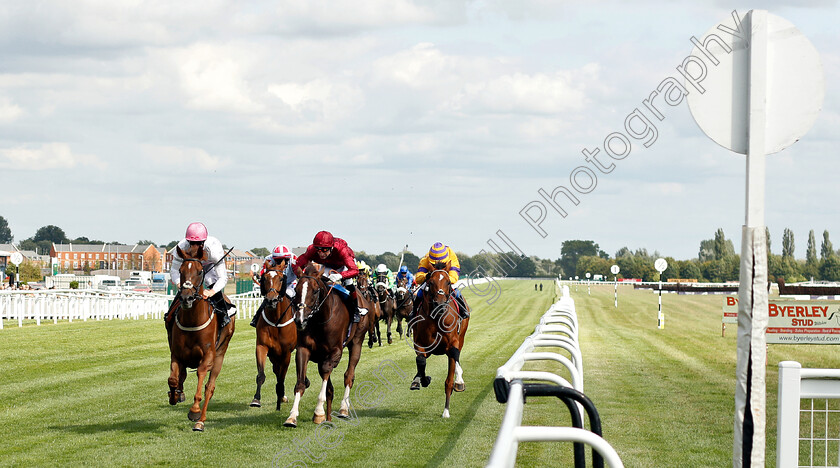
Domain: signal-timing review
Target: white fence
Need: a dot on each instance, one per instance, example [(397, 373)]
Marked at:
[(558, 328), (73, 304), (812, 395)]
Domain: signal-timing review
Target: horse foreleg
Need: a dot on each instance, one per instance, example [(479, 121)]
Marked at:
[(420, 378), (320, 414), (280, 365), (349, 378), (206, 364), (261, 353), (388, 320), (447, 386), (175, 382), (301, 358)]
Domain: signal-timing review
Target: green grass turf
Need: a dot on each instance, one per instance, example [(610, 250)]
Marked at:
[(94, 393)]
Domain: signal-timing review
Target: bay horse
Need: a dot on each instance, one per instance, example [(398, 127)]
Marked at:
[(364, 288), (388, 306), (439, 330), (322, 321), (276, 333), (195, 341), (404, 303)]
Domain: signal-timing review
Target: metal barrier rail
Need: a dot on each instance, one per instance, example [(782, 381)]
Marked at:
[(797, 384), (558, 328), (74, 304)]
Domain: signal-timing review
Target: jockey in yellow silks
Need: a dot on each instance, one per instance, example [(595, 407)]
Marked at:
[(440, 253)]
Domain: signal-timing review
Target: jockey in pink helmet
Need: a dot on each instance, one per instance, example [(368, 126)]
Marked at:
[(278, 256), (215, 276)]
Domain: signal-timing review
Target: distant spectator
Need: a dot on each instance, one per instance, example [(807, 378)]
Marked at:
[(540, 286)]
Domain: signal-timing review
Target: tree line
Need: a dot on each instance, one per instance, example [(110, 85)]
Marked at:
[(716, 260)]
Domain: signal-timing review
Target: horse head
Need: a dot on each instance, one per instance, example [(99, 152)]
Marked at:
[(402, 288), (273, 283), (192, 275), (381, 291), (310, 294), (438, 287)]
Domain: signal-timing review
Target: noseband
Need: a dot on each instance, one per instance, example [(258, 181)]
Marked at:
[(188, 301)]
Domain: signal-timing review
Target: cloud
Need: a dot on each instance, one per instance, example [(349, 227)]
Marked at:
[(319, 99), (182, 158), (9, 111), (47, 156)]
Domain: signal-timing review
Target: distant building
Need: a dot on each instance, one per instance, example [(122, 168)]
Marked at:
[(73, 257)]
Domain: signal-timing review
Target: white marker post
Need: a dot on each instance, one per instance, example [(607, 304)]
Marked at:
[(661, 265), (16, 258), (761, 94), (577, 280), (588, 286), (614, 270)]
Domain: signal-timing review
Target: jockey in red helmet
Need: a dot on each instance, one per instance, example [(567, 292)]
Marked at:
[(334, 253)]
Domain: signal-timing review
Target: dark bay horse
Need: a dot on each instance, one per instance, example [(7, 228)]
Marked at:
[(276, 332), (322, 321), (195, 341), (364, 288), (404, 303), (388, 306), (438, 329)]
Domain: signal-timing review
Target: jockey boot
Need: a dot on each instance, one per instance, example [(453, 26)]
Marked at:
[(169, 316), (257, 315), (221, 304), (463, 309), (354, 309)]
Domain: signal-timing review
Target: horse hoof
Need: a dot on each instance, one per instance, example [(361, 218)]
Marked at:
[(343, 414), (459, 387), (291, 422), (194, 416), (319, 418), (285, 400), (173, 399), (425, 381), (256, 404), (199, 426), (181, 397), (415, 385), (370, 345), (445, 414), (390, 341)]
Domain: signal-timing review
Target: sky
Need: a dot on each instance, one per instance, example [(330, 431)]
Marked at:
[(386, 122)]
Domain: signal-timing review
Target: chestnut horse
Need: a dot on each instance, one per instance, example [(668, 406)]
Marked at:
[(438, 329), (388, 306), (195, 341), (404, 303), (276, 334), (322, 321)]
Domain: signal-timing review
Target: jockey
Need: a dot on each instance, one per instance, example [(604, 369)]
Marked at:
[(404, 273), (385, 276), (278, 255), (443, 254), (215, 277), (364, 269), (334, 253)]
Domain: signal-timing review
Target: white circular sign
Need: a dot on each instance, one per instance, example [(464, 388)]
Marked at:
[(793, 76), (16, 258), (614, 269), (255, 268), (660, 264), (588, 275)]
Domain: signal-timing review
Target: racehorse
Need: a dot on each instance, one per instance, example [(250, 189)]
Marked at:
[(276, 334), (195, 342), (438, 329), (388, 306), (322, 321), (404, 303), (374, 311)]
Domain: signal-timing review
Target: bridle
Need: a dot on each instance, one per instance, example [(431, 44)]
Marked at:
[(447, 294), (273, 302), (189, 301), (302, 307)]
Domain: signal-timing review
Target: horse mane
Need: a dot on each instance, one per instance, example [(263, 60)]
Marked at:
[(440, 265), (312, 269), (197, 252)]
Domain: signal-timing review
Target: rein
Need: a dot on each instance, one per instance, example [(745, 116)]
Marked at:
[(281, 295), (330, 290)]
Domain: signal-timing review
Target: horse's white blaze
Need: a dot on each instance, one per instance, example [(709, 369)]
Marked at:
[(322, 398), (445, 413), (302, 300), (272, 273), (295, 405), (345, 400), (459, 373), (188, 284), (440, 276)]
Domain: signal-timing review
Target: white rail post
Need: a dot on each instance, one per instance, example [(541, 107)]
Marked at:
[(787, 425)]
